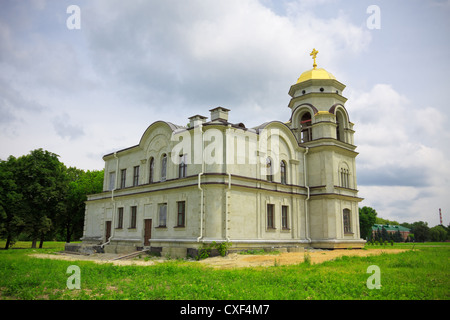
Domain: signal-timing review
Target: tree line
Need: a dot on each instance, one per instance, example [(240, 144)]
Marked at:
[(41, 199), (420, 231)]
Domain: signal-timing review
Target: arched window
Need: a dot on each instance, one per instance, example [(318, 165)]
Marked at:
[(344, 178), (269, 169), (182, 166), (283, 172), (347, 221), (152, 170), (305, 125), (163, 167), (340, 126)]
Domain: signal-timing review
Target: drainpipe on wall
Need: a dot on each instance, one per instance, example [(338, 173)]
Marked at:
[(228, 196), (226, 209), (199, 186), (307, 197)]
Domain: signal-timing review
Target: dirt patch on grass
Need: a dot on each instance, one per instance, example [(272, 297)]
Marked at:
[(233, 260), (315, 256)]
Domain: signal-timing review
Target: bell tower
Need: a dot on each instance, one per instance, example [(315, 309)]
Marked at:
[(322, 126)]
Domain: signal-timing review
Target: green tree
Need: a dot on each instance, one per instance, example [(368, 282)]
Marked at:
[(386, 221), (421, 231), (397, 236), (384, 234), (367, 218), (40, 178), (438, 233), (406, 225), (70, 220), (11, 223)]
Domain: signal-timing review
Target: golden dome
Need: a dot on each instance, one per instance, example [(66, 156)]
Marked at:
[(315, 73)]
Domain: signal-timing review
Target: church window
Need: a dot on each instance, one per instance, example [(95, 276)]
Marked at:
[(152, 170), (123, 178), (269, 169), (133, 217), (347, 222), (181, 213), (112, 180), (162, 214), (136, 176), (163, 167), (283, 172), (182, 166), (305, 125), (284, 217), (119, 218), (270, 216), (344, 177), (340, 125)]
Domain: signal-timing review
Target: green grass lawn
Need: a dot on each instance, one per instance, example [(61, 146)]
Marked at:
[(420, 273)]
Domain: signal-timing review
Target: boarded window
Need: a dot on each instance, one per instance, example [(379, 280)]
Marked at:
[(112, 181), (162, 214), (347, 221)]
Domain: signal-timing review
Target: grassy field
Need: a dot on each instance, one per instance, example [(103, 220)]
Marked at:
[(420, 273)]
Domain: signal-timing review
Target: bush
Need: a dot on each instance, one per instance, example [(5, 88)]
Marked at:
[(205, 252)]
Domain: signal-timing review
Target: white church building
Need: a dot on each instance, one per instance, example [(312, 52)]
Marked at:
[(284, 184)]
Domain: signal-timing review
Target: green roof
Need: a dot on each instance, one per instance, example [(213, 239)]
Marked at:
[(389, 227)]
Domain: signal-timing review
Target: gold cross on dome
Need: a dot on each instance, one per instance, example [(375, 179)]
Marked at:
[(314, 55)]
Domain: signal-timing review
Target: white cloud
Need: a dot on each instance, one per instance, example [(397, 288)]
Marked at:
[(402, 172)]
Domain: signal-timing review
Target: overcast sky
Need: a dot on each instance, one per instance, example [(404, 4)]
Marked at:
[(83, 93)]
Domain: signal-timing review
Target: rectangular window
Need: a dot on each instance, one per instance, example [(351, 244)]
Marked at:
[(133, 217), (112, 181), (123, 178), (181, 215), (270, 216), (120, 218), (182, 166), (284, 217), (162, 214), (347, 222), (136, 176)]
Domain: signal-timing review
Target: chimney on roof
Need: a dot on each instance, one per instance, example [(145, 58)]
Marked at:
[(219, 113), (196, 120)]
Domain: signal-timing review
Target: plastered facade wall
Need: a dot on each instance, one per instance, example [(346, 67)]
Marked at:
[(225, 187)]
